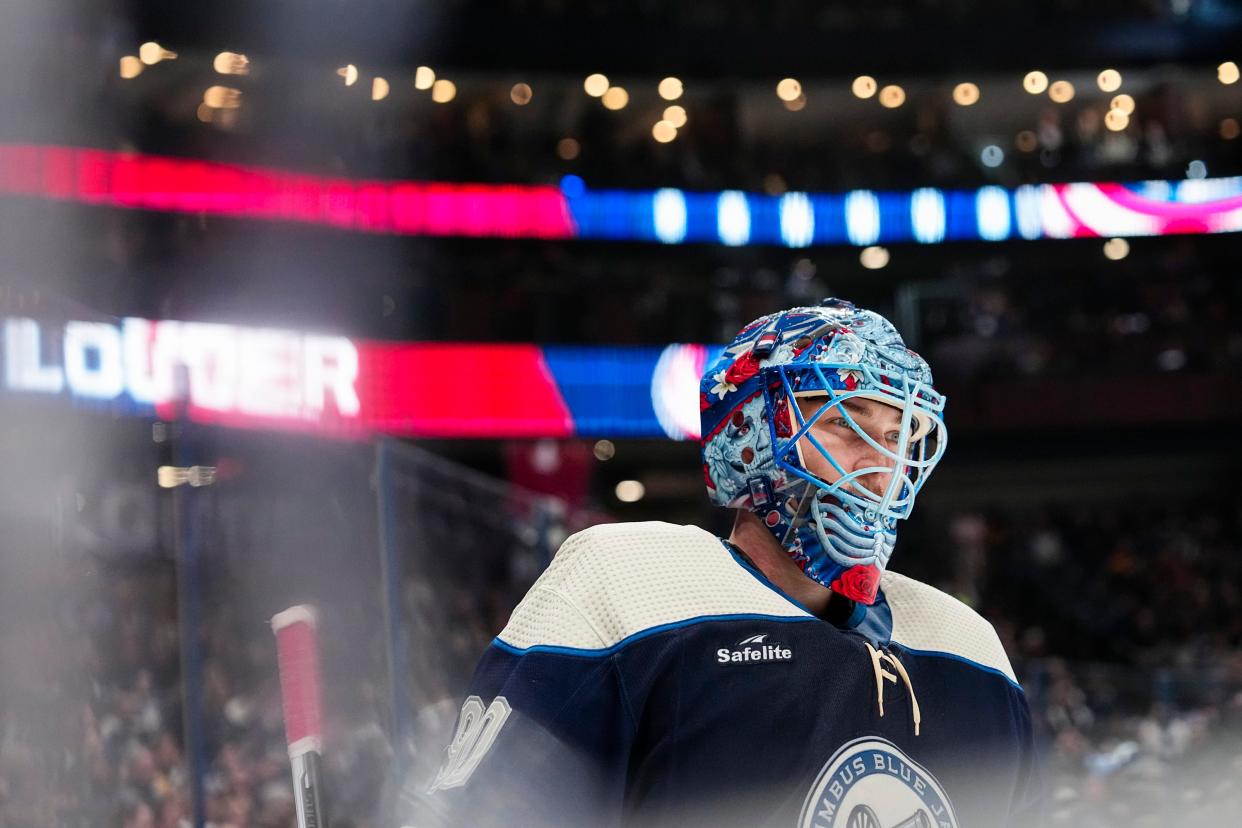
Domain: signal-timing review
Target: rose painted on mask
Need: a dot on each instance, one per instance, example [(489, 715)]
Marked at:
[(859, 583), (742, 369)]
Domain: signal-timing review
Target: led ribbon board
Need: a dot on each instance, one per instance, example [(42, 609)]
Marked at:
[(666, 216), (244, 377)]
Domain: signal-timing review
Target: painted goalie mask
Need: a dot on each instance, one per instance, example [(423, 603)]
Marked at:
[(839, 531)]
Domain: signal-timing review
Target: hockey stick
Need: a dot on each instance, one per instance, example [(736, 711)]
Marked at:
[(297, 650)]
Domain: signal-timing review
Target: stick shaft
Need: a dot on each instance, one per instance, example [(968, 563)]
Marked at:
[(306, 789)]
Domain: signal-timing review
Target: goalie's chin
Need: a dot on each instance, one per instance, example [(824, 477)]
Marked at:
[(851, 556)]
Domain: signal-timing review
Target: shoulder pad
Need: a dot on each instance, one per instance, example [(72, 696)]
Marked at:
[(613, 582), (926, 619)]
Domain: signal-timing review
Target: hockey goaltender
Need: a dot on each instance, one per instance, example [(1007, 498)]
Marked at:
[(657, 675)]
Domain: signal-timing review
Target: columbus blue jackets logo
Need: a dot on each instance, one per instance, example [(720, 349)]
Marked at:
[(871, 783)]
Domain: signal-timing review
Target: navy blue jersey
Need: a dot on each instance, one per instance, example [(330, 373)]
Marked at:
[(652, 676)]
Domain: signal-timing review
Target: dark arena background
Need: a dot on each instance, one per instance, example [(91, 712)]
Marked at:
[(368, 304)]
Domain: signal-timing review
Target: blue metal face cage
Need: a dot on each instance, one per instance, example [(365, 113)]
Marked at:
[(921, 442)]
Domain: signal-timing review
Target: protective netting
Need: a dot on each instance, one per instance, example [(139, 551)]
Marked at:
[(461, 549)]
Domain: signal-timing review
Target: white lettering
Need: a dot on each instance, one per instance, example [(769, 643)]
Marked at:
[(331, 368), (151, 352), (226, 368), (210, 354), (768, 652), (270, 374), (24, 368), (104, 380)]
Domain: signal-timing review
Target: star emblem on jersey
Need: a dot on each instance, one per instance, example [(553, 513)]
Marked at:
[(753, 650)]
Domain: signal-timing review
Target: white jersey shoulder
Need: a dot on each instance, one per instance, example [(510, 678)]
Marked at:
[(924, 618), (614, 581)]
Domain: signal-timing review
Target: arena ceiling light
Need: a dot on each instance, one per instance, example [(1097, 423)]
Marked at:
[(443, 91), (1109, 80), (222, 97), (664, 131), (231, 63), (1035, 82), (966, 94), (864, 86), (675, 115), (349, 72), (892, 96), (152, 53), (131, 67), (521, 94), (424, 77), (630, 491), (595, 85), (788, 89), (1061, 91), (874, 258), (615, 98), (1116, 249), (670, 89)]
